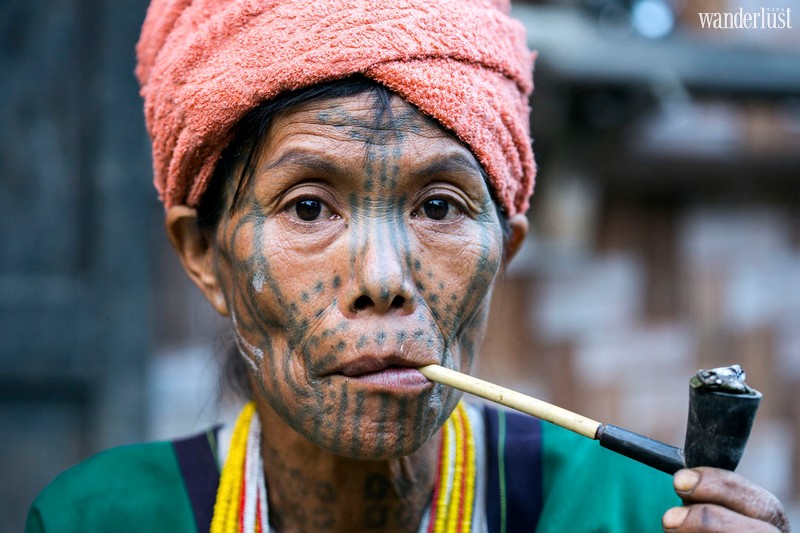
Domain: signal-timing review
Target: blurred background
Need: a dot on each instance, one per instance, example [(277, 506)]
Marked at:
[(665, 234)]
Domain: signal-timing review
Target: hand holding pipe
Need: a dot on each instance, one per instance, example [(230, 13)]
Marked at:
[(721, 413)]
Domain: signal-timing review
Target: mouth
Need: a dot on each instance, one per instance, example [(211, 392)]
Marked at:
[(386, 373)]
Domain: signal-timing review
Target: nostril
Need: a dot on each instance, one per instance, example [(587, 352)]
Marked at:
[(362, 302)]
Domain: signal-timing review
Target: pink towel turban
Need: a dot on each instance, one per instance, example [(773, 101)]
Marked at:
[(203, 64)]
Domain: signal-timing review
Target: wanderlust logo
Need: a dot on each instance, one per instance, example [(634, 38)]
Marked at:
[(766, 18)]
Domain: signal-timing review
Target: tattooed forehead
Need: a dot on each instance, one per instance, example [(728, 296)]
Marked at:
[(364, 147), (367, 113), (359, 127)]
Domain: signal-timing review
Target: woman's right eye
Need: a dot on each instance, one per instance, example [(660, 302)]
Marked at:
[(308, 209)]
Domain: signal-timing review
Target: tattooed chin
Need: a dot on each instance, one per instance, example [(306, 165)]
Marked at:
[(372, 420), (353, 391)]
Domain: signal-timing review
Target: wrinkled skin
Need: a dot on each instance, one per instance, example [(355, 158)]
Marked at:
[(719, 501), (369, 275), (366, 245)]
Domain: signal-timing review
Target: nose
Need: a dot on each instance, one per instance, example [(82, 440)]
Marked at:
[(379, 283)]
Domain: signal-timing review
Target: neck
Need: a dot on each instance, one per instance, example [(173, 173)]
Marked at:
[(311, 489)]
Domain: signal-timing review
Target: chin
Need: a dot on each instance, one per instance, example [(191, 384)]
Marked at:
[(381, 437)]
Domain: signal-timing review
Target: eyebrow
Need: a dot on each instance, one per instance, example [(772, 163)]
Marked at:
[(454, 162), (451, 163), (307, 160)]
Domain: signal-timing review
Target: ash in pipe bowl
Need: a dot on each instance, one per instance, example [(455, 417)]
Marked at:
[(722, 408)]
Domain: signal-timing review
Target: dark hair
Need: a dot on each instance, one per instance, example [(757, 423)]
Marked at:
[(240, 155)]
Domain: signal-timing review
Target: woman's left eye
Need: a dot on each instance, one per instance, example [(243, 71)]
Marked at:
[(438, 209)]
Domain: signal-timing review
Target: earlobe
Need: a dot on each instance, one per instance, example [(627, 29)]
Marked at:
[(519, 229), (196, 254)]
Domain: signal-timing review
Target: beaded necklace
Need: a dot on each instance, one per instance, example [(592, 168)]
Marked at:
[(241, 505)]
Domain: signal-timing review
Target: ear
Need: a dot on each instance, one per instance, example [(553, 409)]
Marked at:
[(519, 229), (195, 253)]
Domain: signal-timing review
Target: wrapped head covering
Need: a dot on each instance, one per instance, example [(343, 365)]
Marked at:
[(203, 64)]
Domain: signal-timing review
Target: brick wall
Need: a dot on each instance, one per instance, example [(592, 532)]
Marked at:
[(613, 328)]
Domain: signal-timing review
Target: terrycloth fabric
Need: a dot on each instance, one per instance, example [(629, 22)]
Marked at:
[(203, 64)]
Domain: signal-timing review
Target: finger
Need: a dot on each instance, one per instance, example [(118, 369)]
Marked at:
[(726, 489), (707, 518)]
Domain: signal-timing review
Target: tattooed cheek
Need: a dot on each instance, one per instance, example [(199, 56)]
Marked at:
[(253, 355), (258, 281)]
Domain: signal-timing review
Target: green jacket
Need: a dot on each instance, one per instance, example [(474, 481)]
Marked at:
[(572, 485)]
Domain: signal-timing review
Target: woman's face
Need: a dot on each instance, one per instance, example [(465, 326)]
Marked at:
[(365, 245)]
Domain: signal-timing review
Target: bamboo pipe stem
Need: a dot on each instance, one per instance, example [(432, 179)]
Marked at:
[(513, 399)]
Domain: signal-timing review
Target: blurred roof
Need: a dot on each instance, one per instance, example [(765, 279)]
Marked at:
[(577, 48)]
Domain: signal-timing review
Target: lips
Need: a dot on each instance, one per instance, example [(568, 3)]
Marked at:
[(388, 372), (371, 364)]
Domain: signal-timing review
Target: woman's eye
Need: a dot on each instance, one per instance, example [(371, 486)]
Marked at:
[(438, 209), (308, 209)]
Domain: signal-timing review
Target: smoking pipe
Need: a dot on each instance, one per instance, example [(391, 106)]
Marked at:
[(721, 412)]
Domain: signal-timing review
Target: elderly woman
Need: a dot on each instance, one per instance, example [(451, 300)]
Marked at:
[(345, 180)]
